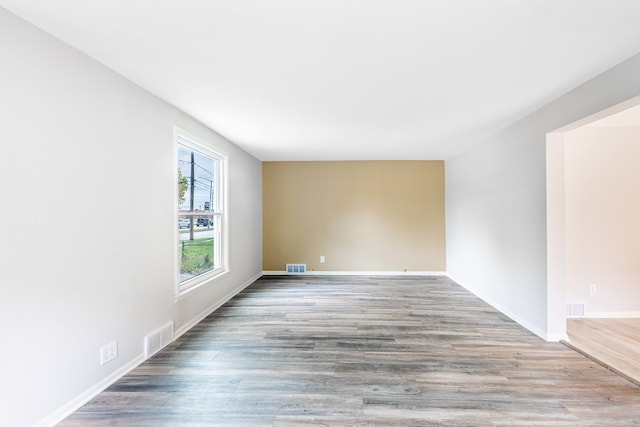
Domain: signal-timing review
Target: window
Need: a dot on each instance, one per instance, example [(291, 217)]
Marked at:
[(201, 173)]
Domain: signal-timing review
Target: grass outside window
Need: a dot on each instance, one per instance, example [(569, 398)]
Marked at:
[(196, 257)]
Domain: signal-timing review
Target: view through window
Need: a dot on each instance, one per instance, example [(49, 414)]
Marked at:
[(200, 210)]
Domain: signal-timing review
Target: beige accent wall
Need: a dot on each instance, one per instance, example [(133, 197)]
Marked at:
[(359, 215)]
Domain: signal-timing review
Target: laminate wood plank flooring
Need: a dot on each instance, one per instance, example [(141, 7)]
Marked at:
[(614, 343), (362, 351)]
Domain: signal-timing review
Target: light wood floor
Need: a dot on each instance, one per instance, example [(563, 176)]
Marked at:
[(614, 343), (357, 351)]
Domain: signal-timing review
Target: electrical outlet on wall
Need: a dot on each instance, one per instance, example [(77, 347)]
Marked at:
[(593, 289), (322, 258), (108, 352)]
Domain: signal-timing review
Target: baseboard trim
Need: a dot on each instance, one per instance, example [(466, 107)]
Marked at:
[(612, 314), (356, 273), (555, 337), (77, 402), (190, 324), (519, 320)]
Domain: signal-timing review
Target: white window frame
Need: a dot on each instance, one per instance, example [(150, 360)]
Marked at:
[(184, 139)]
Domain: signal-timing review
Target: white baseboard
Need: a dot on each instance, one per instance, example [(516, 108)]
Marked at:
[(92, 392), (555, 337), (75, 404), (357, 273), (190, 324), (612, 314), (522, 322)]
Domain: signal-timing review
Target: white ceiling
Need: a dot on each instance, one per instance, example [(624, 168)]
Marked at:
[(349, 79)]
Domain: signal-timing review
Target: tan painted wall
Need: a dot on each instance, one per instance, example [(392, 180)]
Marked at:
[(360, 215)]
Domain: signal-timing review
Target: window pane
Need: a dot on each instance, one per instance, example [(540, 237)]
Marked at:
[(201, 175), (197, 187), (196, 255), (196, 196)]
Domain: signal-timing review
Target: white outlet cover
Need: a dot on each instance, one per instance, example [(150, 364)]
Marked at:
[(108, 352)]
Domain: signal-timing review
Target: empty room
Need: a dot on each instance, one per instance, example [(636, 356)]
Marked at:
[(320, 213)]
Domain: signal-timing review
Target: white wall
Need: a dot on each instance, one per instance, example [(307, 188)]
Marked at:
[(602, 190), (87, 221), (496, 205)]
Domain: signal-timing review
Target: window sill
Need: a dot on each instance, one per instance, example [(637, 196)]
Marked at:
[(199, 283)]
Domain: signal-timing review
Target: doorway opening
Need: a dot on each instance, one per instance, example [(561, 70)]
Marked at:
[(593, 226)]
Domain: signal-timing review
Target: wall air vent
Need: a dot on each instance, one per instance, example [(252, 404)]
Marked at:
[(296, 268), (157, 339), (576, 309)]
